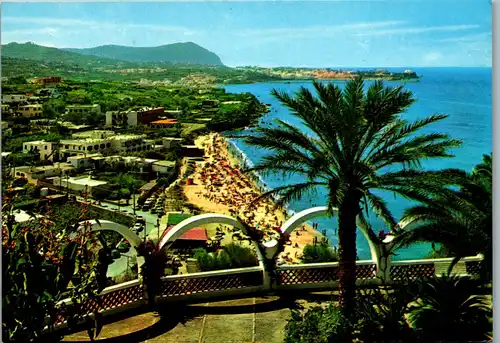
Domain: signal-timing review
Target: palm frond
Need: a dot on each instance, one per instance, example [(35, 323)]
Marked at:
[(289, 193), (379, 207)]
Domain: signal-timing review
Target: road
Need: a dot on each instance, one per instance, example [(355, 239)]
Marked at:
[(151, 231)]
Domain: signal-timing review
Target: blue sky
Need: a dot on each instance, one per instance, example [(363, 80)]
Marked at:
[(398, 33)]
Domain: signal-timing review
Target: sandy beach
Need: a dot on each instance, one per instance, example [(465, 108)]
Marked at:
[(219, 186)]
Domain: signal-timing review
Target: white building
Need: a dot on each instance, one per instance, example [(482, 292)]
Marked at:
[(163, 167), (36, 173), (30, 111), (130, 143), (80, 183), (83, 109), (96, 134), (13, 98), (83, 161), (86, 145), (121, 118), (44, 148)]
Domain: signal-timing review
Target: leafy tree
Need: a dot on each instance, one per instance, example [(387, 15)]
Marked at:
[(79, 96), (54, 107), (17, 80), (38, 265), (459, 219), (357, 142)]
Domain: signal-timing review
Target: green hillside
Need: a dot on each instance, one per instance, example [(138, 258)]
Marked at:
[(30, 60), (177, 53), (32, 51)]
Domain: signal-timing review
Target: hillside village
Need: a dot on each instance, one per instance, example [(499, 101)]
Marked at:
[(113, 146)]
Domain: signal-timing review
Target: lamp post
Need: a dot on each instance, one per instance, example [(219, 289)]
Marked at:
[(158, 227), (133, 199)]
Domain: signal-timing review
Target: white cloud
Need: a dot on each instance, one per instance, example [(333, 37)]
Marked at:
[(50, 31), (432, 58), (416, 30), (316, 30), (93, 24), (476, 37)]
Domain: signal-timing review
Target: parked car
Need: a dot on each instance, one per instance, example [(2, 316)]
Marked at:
[(140, 219), (154, 210), (138, 226)]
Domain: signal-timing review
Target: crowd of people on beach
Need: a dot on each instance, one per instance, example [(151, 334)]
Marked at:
[(225, 184)]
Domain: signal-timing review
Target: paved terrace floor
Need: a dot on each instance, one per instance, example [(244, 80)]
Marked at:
[(250, 320)]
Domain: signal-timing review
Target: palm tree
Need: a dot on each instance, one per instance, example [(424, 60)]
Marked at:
[(356, 140), (460, 219)]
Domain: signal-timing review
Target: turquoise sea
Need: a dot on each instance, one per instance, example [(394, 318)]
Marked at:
[(462, 93)]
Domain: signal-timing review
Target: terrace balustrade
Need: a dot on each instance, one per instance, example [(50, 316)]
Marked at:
[(266, 277)]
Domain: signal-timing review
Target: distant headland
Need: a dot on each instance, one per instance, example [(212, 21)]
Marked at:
[(290, 73)]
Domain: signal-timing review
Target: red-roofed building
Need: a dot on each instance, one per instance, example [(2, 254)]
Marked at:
[(193, 238), (163, 123), (148, 115)]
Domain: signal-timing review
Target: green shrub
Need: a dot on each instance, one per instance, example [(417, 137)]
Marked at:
[(381, 314), (240, 256), (206, 260), (232, 256), (318, 325), (319, 253), (448, 308), (223, 260)]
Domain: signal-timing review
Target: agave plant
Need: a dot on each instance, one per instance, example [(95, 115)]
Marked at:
[(381, 313), (39, 265), (155, 261), (448, 308)]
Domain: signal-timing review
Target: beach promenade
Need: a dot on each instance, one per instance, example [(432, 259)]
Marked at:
[(219, 186)]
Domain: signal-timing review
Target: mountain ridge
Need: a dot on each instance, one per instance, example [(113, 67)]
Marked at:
[(185, 52)]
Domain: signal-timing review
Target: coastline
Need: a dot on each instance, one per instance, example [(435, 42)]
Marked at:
[(226, 153)]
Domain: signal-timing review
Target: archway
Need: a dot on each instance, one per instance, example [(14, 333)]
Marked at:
[(299, 218), (124, 231), (192, 222), (203, 219)]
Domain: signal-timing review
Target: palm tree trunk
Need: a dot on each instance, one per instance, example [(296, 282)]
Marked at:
[(348, 211)]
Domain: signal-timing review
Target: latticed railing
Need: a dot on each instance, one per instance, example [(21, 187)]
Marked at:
[(309, 275), (412, 271), (473, 268), (295, 276), (199, 283), (366, 271), (110, 299), (319, 273)]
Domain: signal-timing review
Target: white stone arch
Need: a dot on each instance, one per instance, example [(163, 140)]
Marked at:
[(301, 217), (195, 221), (203, 219), (124, 231)]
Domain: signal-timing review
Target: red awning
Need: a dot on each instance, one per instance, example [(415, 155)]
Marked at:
[(194, 234)]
